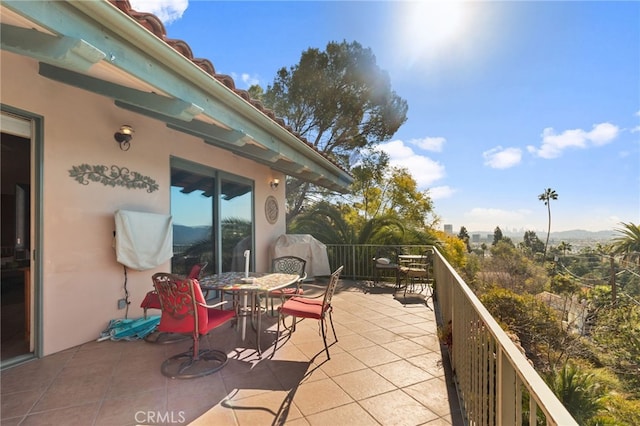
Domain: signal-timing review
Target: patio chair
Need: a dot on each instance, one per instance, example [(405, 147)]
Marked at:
[(385, 261), (151, 300), (314, 308), (417, 272), (288, 265), (185, 311)]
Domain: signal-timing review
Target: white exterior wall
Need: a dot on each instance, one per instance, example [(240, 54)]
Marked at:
[(81, 280)]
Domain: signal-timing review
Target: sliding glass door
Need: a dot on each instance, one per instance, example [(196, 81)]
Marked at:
[(212, 218)]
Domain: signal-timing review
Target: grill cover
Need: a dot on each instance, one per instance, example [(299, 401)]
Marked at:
[(306, 247)]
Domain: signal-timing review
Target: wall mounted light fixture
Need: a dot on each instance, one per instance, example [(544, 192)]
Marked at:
[(123, 136), (274, 184)]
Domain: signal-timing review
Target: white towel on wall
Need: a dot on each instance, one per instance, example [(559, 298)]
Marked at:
[(143, 240)]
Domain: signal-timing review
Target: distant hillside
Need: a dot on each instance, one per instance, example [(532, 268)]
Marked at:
[(575, 234), (580, 234), (188, 234)]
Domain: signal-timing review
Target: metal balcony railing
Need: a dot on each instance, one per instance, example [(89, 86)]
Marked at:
[(496, 384)]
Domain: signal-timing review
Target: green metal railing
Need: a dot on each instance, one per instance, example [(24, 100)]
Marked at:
[(358, 259)]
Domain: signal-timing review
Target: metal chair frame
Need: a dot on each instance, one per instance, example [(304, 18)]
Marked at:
[(308, 307), (184, 311)]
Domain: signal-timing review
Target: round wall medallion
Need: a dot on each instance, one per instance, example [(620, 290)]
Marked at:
[(271, 209)]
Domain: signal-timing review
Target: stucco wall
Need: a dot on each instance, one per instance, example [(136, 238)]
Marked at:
[(81, 279)]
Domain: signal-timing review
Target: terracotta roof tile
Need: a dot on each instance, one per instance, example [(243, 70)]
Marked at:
[(152, 23)]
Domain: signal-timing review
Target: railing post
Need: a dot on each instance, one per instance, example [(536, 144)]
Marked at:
[(506, 391)]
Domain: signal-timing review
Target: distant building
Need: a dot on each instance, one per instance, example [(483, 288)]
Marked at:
[(448, 229), (475, 238), (490, 237)]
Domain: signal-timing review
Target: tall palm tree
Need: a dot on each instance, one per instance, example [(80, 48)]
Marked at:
[(628, 244), (564, 247), (548, 195)]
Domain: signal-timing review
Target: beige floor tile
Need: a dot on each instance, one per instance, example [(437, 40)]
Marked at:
[(374, 355), (218, 415), (350, 414), (406, 348), (319, 396), (70, 391), (402, 373), (432, 394), (363, 384), (141, 381), (13, 421), (431, 362), (342, 363), (265, 409), (396, 408), (354, 341), (390, 323), (18, 403), (259, 380), (135, 409), (79, 415), (382, 346), (297, 422), (383, 336), (438, 422), (363, 326), (429, 341), (407, 331)]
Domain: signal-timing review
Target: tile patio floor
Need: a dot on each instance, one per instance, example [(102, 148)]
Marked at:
[(386, 369)]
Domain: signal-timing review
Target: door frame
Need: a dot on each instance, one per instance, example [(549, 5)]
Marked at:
[(8, 114)]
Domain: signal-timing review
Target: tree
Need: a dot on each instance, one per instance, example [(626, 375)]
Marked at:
[(340, 101), (579, 391), (381, 190), (328, 224), (548, 195), (464, 236), (564, 247), (532, 243), (616, 332), (497, 236), (628, 244)]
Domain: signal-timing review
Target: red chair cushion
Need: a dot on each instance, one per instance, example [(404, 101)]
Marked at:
[(195, 271), (151, 301), (181, 318), (303, 308), (217, 317), (288, 291)]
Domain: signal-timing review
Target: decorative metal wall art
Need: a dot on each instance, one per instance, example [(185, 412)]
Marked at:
[(271, 209), (112, 176)]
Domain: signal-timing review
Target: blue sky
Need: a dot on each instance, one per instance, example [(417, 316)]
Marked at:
[(505, 98)]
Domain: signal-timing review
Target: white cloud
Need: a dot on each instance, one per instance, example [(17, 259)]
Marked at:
[(423, 169), (246, 78), (502, 158), (166, 10), (434, 144), (480, 218), (441, 192), (554, 144)]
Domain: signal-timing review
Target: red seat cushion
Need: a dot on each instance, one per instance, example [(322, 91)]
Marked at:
[(303, 308), (179, 314), (151, 301), (217, 317), (288, 291)]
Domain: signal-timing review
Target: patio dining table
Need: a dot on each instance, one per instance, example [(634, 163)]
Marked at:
[(249, 287)]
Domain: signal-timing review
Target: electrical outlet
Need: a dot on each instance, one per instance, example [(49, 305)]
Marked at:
[(122, 303)]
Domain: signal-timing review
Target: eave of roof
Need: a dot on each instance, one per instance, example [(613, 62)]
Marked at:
[(233, 120)]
